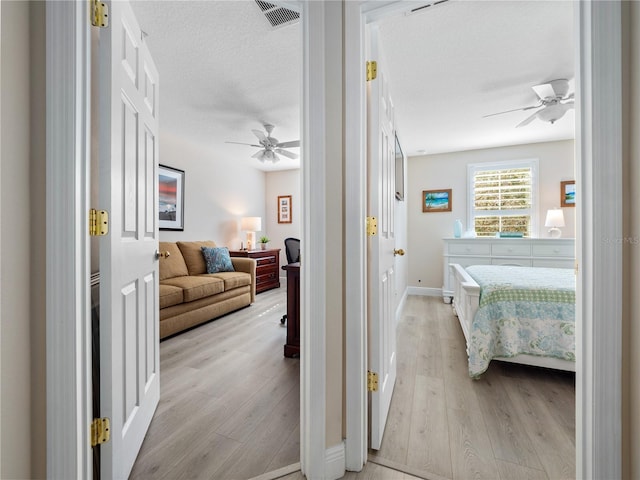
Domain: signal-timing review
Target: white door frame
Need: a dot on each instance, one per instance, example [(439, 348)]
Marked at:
[(68, 319), (68, 60), (598, 145), (598, 425)]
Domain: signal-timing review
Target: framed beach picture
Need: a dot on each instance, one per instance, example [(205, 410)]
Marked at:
[(170, 198), (436, 200), (568, 193), (284, 209)]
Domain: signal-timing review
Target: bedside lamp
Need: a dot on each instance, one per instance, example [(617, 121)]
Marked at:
[(555, 219), (251, 225)]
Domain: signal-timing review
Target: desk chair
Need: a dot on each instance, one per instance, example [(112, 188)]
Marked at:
[(292, 250)]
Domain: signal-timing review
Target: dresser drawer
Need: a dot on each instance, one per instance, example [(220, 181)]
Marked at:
[(553, 250), (511, 249), (553, 263), (514, 262), (270, 260), (469, 248)]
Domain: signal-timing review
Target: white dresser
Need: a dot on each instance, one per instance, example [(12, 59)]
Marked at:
[(525, 252)]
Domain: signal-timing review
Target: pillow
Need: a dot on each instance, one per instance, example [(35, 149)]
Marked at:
[(217, 259)]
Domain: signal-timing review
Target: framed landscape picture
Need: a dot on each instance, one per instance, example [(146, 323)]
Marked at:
[(284, 209), (436, 200), (170, 198), (568, 193)]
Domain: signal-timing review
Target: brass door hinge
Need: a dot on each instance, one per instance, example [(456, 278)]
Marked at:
[(99, 14), (98, 222), (372, 381), (372, 70), (372, 226), (100, 431)]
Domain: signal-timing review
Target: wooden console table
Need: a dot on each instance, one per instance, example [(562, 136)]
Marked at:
[(292, 347), (267, 262)]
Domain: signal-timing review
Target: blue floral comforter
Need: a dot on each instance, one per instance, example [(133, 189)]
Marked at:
[(522, 310)]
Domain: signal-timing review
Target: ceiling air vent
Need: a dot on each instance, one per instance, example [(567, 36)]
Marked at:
[(277, 16), (422, 7)]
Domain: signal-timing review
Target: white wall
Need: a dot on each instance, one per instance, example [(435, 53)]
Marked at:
[(218, 192), (284, 182), (430, 172)]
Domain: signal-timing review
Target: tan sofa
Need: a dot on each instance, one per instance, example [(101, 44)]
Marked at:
[(189, 296)]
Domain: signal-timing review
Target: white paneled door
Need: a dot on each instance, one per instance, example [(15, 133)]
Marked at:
[(128, 152), (381, 277)]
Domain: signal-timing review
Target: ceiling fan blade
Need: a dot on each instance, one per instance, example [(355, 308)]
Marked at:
[(250, 144), (544, 91), (259, 155), (514, 110), (286, 154), (261, 136), (527, 120), (291, 144)]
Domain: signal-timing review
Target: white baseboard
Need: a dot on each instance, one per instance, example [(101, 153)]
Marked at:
[(335, 462), (425, 291)]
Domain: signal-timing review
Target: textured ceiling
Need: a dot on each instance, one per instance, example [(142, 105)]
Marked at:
[(451, 64), (225, 71)]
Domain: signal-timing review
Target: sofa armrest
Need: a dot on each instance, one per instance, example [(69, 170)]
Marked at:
[(247, 265)]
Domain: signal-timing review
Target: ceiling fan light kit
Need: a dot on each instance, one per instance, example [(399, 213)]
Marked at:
[(271, 147), (554, 101)]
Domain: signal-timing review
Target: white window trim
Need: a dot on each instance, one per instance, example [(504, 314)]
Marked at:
[(532, 163)]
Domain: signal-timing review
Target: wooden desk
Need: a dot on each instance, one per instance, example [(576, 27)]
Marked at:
[(267, 262), (292, 347)]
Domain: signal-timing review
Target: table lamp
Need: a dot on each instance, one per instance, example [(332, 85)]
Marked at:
[(555, 219), (251, 225)]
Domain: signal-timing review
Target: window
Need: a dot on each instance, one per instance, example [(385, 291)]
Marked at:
[(503, 197)]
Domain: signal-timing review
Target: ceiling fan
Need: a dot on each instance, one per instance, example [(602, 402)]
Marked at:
[(554, 100), (270, 146)]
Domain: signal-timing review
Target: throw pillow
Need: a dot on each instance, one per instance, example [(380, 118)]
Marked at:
[(217, 259)]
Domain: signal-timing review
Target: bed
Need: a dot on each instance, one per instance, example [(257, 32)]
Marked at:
[(518, 314)]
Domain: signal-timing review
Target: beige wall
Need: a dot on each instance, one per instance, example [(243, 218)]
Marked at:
[(631, 280), (334, 240), (285, 182), (430, 172), (37, 251), (15, 348), (218, 191)]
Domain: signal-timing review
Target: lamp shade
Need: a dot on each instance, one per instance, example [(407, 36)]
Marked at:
[(251, 224), (555, 218)]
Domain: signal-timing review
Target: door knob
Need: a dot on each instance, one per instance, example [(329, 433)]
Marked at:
[(398, 251), (160, 254)]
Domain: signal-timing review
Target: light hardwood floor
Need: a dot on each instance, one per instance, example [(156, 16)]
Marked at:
[(229, 406), (515, 422), (229, 400)]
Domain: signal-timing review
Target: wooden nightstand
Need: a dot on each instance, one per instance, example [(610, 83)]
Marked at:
[(267, 266)]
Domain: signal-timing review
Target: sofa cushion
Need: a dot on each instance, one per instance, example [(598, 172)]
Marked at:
[(170, 296), (195, 287), (232, 279), (217, 259), (192, 253), (172, 266)]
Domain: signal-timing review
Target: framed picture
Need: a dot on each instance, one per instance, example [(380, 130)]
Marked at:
[(568, 193), (170, 198), (436, 200), (284, 209)]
